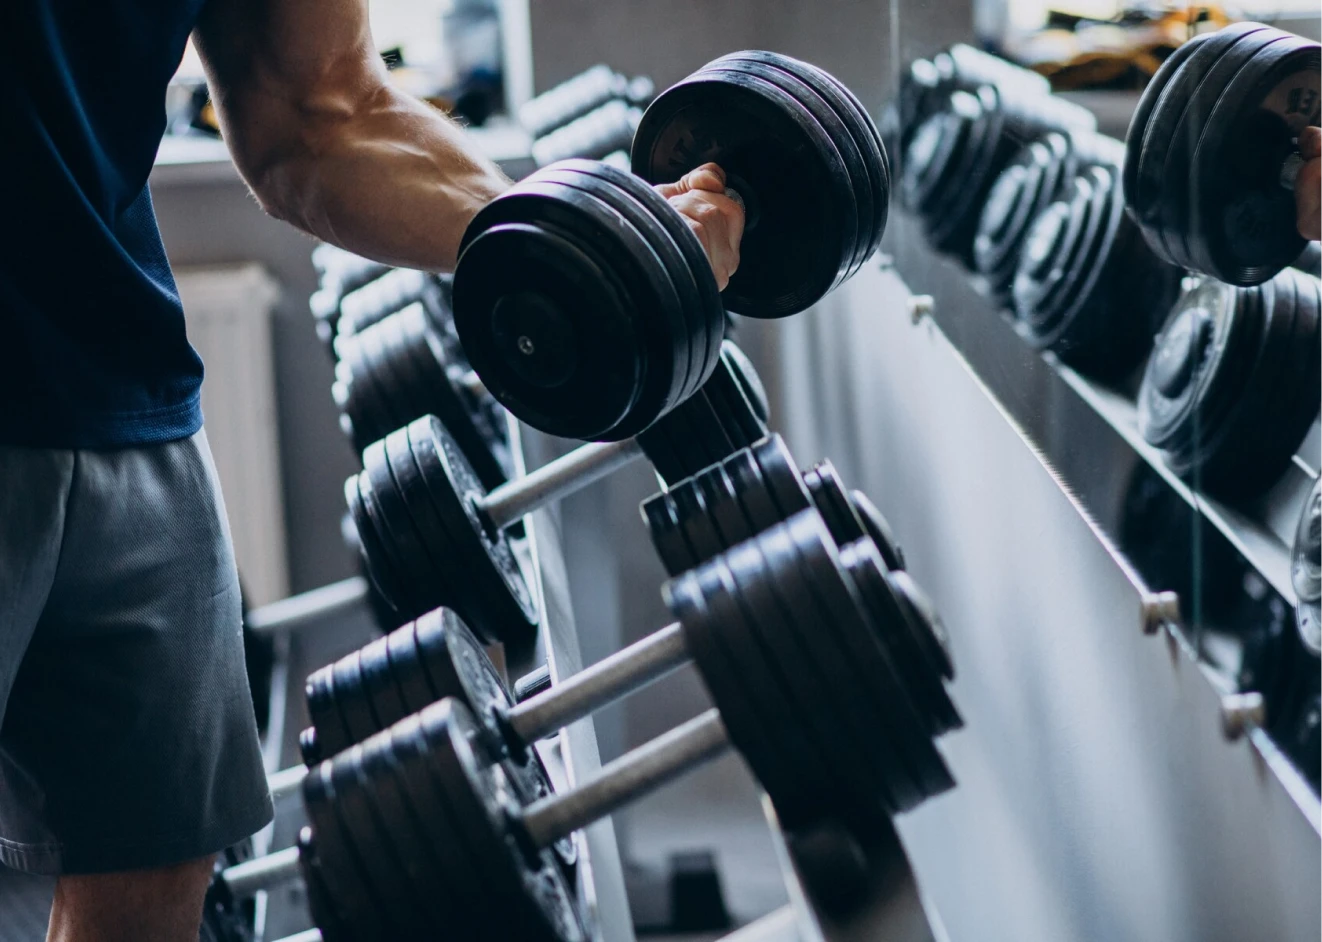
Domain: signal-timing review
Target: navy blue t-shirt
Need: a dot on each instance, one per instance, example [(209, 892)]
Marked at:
[(92, 346)]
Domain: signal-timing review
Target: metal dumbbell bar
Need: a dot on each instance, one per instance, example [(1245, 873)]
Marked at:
[(432, 535), (585, 302), (787, 631), (1212, 151)]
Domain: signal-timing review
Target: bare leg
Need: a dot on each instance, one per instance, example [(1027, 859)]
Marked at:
[(162, 905)]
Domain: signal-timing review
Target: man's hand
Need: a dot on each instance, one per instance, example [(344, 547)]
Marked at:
[(1308, 185), (717, 220)]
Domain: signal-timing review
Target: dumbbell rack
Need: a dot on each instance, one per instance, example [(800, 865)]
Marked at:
[(1204, 744), (890, 908)]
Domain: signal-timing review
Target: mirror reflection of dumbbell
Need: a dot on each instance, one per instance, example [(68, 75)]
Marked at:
[(432, 535), (790, 635), (1212, 151), (587, 304)]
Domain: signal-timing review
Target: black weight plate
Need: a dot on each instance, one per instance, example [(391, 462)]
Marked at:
[(665, 260), (769, 144), (824, 623), (434, 530), (1249, 236), (909, 630), (534, 901), (535, 260), (422, 526), (878, 529), (829, 614), (753, 493), (1161, 120), (727, 682), (375, 560), (332, 734), (1306, 570), (492, 595), (365, 402), (401, 576), (659, 515), (1140, 208), (379, 685), (374, 845), (655, 444), (322, 905), (354, 705), (730, 409), (401, 826), (695, 521), (812, 96), (750, 383), (696, 436), (781, 476), (342, 869), (380, 489), (726, 513), (411, 757), (699, 266), (581, 175), (1178, 209), (829, 497), (406, 666), (395, 390), (839, 780)]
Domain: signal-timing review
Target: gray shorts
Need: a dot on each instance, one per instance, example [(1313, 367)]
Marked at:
[(127, 737)]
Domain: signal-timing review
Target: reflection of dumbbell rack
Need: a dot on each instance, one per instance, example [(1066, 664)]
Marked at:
[(1228, 554)]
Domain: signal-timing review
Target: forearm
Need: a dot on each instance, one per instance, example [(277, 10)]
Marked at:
[(388, 177)]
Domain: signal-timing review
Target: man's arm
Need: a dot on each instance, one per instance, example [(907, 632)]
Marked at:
[(326, 142)]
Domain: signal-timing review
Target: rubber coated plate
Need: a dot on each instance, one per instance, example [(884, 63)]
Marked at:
[(380, 488), (730, 409), (378, 684), (372, 553), (405, 485), (354, 706), (659, 515), (831, 501), (415, 688), (532, 899), (324, 711), (492, 595), (695, 520), (784, 167), (879, 529), (402, 580), (750, 384), (752, 490), (727, 514), (322, 906)]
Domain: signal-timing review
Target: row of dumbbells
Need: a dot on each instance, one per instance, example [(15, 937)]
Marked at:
[(592, 115), (825, 662), (1090, 240)]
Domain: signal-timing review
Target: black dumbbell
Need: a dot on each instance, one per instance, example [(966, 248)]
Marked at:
[(339, 273), (956, 155), (783, 630), (400, 369), (748, 492), (1306, 570), (926, 85), (586, 303), (1235, 382), (577, 96), (432, 535), (1212, 152), (394, 291), (1039, 175), (1088, 287)]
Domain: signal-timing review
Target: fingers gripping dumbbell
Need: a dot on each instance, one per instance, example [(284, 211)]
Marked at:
[(587, 304), (782, 631), (1212, 151), (400, 369), (432, 535)]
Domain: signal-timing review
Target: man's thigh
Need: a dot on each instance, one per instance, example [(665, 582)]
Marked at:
[(129, 740)]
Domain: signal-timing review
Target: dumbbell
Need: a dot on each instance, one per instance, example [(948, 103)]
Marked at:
[(367, 689), (586, 303), (926, 85), (432, 535), (1040, 174), (1235, 382), (1306, 570), (393, 291), (753, 489), (603, 130), (1087, 286), (400, 369), (788, 633), (339, 273), (1212, 153), (956, 155), (577, 96)]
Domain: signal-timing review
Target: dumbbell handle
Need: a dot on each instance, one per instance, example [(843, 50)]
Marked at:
[(286, 781), (262, 873), (587, 463), (631, 776), (593, 687), (307, 607)]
